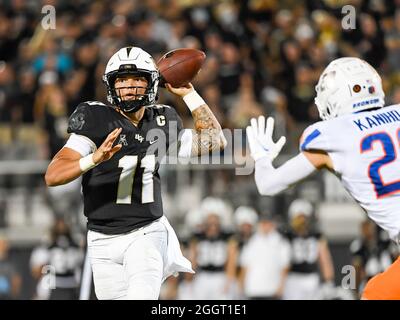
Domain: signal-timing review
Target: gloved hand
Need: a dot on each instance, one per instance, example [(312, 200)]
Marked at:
[(260, 139)]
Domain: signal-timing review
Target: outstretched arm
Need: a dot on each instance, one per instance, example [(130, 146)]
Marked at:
[(207, 135), (270, 180)]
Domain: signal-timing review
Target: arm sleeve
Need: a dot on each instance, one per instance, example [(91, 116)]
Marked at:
[(81, 144), (185, 143), (185, 138), (271, 181)]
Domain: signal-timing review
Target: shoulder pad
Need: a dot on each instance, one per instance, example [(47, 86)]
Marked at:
[(87, 117), (159, 109), (95, 103), (315, 233), (226, 235), (159, 106), (285, 232), (313, 138)]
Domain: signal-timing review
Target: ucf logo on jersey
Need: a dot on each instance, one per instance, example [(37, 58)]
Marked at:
[(139, 137)]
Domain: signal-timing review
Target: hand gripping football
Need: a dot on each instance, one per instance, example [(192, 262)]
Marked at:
[(178, 67)]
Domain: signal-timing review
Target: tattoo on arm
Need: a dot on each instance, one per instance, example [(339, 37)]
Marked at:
[(207, 136)]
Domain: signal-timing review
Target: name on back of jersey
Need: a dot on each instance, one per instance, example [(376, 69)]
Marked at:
[(375, 120)]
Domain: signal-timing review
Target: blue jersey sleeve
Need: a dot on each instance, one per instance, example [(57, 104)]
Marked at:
[(313, 138)]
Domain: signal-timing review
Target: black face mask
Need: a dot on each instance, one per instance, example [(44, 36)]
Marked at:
[(143, 99), (133, 105)]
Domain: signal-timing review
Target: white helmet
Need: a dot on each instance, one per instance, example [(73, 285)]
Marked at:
[(217, 206), (348, 85), (245, 214), (300, 206), (135, 61)]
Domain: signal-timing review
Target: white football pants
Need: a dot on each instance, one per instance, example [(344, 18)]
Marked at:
[(129, 266), (301, 286)]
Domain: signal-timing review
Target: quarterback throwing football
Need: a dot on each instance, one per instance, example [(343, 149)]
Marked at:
[(131, 246)]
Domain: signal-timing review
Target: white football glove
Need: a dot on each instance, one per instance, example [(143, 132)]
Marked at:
[(260, 139)]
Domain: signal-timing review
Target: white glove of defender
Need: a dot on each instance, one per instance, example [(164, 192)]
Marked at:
[(260, 139)]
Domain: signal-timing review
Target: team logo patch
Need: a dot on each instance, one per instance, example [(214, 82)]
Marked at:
[(77, 121), (122, 140), (139, 137)]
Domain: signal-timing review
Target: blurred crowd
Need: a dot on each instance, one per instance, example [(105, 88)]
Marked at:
[(263, 56)]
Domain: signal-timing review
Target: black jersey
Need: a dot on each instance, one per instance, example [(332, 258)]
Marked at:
[(124, 193), (66, 257), (305, 252), (212, 253), (373, 258)]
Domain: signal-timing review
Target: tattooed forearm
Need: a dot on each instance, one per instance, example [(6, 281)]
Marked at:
[(207, 136)]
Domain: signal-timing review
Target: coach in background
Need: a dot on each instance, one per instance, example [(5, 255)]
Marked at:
[(265, 262)]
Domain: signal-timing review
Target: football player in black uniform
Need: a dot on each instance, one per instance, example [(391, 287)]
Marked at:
[(372, 253), (213, 252), (310, 260), (117, 149)]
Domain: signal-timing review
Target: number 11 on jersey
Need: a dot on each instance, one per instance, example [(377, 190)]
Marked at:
[(125, 184)]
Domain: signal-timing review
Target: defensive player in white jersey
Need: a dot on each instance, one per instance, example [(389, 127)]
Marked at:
[(358, 140)]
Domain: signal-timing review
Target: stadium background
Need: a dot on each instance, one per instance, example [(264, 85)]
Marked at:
[(263, 57)]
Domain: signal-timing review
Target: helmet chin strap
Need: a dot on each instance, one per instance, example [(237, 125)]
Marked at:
[(130, 106)]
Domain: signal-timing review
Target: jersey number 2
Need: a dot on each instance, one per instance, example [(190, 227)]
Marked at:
[(125, 184), (381, 189)]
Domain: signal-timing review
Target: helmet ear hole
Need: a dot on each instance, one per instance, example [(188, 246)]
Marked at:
[(356, 88)]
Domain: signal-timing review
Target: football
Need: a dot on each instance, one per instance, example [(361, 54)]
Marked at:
[(178, 67)]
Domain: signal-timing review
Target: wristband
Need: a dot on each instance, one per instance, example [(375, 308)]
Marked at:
[(193, 100), (86, 163)]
